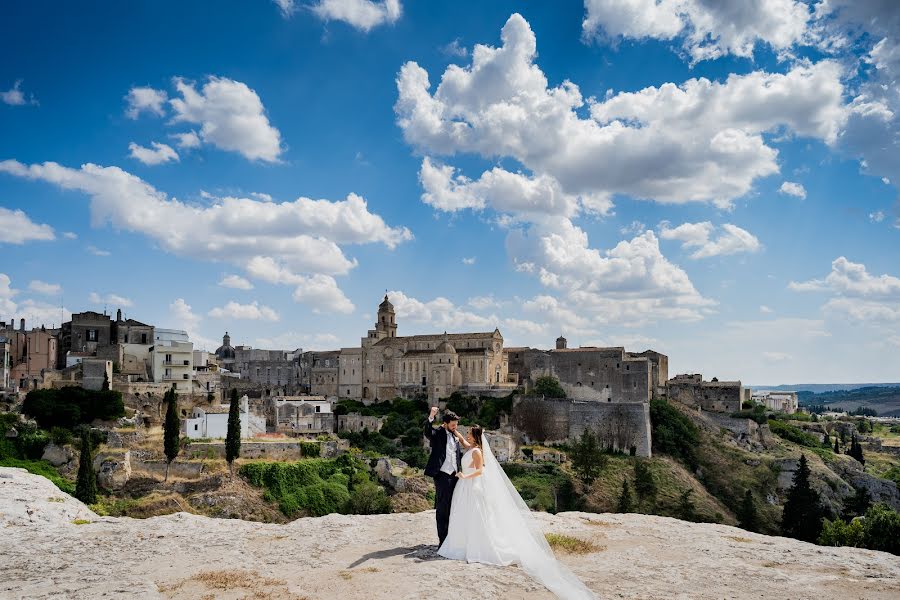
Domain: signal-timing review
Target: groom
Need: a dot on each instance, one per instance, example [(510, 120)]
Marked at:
[(442, 466)]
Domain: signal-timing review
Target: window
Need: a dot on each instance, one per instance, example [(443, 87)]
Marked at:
[(318, 408), (196, 427), (168, 359), (143, 338), (92, 335), (126, 338)]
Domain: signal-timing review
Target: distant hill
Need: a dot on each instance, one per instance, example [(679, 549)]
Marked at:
[(885, 400), (818, 388)]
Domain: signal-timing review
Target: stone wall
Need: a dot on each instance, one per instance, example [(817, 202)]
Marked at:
[(717, 396), (619, 425)]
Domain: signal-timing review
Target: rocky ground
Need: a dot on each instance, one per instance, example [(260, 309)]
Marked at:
[(54, 547)]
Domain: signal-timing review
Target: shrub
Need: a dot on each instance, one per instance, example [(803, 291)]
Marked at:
[(71, 406), (644, 482), (673, 433), (369, 499), (549, 387), (882, 529), (796, 435), (588, 459), (310, 449), (687, 511), (841, 533), (60, 436)]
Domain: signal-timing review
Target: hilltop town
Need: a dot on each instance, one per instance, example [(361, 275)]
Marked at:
[(324, 431)]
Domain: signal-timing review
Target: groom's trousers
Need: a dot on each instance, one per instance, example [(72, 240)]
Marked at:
[(443, 496)]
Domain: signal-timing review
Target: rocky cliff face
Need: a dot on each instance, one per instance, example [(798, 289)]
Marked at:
[(53, 546)]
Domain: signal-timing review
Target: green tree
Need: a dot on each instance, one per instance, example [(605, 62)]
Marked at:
[(856, 451), (673, 433), (687, 510), (857, 505), (105, 386), (748, 517), (882, 529), (588, 459), (86, 484), (625, 502), (837, 448), (645, 482), (802, 516), (233, 437), (548, 386), (171, 429)]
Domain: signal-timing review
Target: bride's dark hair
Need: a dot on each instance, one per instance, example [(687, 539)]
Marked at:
[(477, 432)]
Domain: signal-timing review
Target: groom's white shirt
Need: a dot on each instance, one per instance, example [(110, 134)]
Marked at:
[(449, 466)]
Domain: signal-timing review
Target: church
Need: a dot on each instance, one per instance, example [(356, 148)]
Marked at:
[(387, 366)]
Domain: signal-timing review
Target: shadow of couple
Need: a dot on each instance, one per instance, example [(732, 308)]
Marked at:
[(420, 553)]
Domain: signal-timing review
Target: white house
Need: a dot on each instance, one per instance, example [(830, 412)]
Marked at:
[(212, 421), (172, 362)]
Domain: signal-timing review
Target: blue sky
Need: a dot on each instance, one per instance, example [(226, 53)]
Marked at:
[(714, 182)]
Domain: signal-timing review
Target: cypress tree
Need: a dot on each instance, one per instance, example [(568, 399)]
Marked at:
[(171, 429), (644, 482), (233, 437), (687, 511), (105, 386), (588, 459), (625, 503), (856, 451), (843, 435), (837, 448), (86, 485), (802, 516), (857, 505), (748, 518)]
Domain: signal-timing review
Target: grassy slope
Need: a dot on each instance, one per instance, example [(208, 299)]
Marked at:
[(672, 479)]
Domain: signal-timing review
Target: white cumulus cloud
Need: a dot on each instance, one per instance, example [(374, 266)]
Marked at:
[(159, 154), (145, 99), (42, 287), (253, 311), (702, 237), (110, 299), (361, 14), (236, 282), (17, 228), (231, 117), (791, 188)]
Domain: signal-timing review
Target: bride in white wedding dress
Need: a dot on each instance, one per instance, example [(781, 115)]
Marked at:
[(490, 523)]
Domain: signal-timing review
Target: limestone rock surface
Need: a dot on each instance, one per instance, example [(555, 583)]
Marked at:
[(50, 552)]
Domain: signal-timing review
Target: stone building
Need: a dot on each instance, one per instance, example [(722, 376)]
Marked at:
[(172, 363), (355, 422), (386, 365), (303, 415), (94, 371), (85, 332), (592, 373), (30, 354), (608, 391), (5, 364), (716, 396), (212, 421), (270, 368), (785, 402)]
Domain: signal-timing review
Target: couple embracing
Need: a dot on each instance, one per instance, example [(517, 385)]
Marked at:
[(480, 515)]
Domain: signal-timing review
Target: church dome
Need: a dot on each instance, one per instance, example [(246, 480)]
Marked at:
[(445, 347), (225, 350), (386, 305)]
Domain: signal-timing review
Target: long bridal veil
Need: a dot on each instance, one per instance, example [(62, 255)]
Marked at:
[(518, 526)]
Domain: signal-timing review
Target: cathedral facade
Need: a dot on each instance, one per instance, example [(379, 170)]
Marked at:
[(387, 366)]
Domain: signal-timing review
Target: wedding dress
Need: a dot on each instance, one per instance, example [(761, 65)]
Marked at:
[(490, 523)]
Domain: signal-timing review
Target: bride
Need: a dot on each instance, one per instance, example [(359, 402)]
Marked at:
[(490, 523)]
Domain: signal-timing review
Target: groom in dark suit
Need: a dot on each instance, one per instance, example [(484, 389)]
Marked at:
[(446, 456)]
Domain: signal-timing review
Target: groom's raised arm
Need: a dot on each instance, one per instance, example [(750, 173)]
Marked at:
[(429, 430)]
